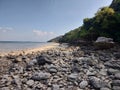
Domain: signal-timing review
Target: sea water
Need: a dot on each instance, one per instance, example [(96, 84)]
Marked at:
[(7, 46)]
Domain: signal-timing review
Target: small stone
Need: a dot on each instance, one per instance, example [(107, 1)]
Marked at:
[(112, 71), (30, 83), (116, 88), (117, 76), (41, 76), (105, 88), (18, 60), (32, 62), (103, 72), (73, 77), (5, 88), (52, 69), (83, 84), (116, 82), (17, 81), (55, 87)]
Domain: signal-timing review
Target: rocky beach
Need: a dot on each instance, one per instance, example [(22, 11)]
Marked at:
[(62, 67)]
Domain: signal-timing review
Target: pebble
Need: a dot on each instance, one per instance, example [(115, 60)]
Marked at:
[(30, 82), (83, 84)]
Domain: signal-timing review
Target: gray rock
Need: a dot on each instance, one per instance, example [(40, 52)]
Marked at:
[(41, 76), (89, 73), (73, 77), (32, 62), (103, 72), (112, 71), (97, 83), (55, 87), (83, 84), (42, 60), (5, 88), (113, 64), (116, 82), (117, 55), (117, 75), (52, 69), (116, 88), (30, 83), (17, 81), (104, 43), (105, 88)]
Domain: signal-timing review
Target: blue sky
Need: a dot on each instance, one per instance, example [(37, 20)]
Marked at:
[(41, 20)]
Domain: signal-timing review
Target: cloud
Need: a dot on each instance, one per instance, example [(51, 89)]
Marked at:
[(5, 29), (43, 33)]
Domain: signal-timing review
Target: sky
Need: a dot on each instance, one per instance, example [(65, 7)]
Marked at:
[(41, 20)]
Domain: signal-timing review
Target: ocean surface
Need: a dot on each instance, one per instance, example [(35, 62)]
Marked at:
[(8, 46)]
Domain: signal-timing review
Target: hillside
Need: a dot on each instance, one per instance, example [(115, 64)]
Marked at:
[(105, 23)]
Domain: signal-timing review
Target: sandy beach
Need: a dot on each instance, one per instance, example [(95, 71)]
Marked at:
[(30, 51)]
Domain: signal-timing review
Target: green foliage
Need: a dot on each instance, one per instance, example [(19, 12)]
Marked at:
[(72, 35), (106, 22)]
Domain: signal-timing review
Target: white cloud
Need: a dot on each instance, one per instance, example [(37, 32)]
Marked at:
[(5, 29), (43, 33)]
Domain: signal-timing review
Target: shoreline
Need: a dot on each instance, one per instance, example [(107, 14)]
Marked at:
[(30, 50)]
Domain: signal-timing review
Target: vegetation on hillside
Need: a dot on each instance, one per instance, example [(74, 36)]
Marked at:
[(106, 22)]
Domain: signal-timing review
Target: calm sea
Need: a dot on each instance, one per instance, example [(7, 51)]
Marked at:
[(7, 46)]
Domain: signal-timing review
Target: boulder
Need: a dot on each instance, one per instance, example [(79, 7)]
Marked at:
[(42, 60), (104, 43)]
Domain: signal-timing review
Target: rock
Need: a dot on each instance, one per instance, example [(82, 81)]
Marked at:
[(17, 81), (105, 88), (52, 69), (103, 72), (18, 59), (87, 61), (42, 60), (83, 84), (97, 83), (112, 71), (89, 73), (117, 75), (73, 77), (117, 55), (55, 87), (113, 64), (116, 82), (41, 76), (104, 43), (116, 88), (30, 83), (32, 62), (5, 88)]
